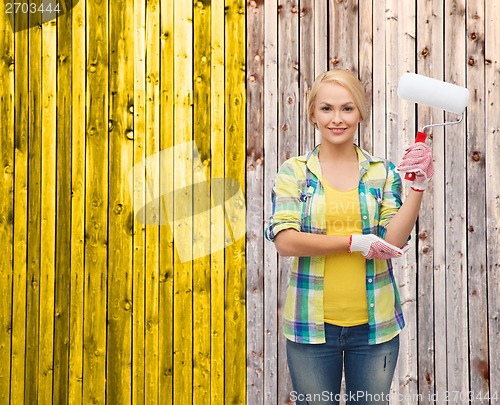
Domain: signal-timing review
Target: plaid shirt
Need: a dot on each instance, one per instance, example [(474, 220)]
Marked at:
[(298, 199)]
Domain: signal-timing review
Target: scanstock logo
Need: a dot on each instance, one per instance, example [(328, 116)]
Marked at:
[(170, 188), (28, 14)]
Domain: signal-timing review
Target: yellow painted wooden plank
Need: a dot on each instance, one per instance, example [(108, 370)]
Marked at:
[(152, 147), (6, 202), (48, 211), (120, 271), (63, 211), (34, 207), (235, 153), (96, 202), (201, 203), (183, 167), (21, 120), (78, 181), (166, 321), (138, 347), (217, 234)]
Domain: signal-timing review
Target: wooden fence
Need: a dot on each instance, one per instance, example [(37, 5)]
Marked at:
[(98, 306), (449, 282)]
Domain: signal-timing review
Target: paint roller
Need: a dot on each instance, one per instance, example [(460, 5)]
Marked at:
[(434, 93)]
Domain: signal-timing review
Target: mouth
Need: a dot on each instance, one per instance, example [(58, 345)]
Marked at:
[(337, 131)]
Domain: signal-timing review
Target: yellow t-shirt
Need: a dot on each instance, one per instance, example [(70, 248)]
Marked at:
[(345, 302)]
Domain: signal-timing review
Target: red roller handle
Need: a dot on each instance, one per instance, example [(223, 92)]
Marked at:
[(419, 138)]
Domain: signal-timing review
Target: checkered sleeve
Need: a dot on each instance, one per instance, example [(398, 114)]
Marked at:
[(286, 204)]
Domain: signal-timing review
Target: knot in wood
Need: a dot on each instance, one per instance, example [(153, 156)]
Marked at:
[(423, 235), (471, 61), (252, 79), (476, 156), (425, 52), (473, 36)]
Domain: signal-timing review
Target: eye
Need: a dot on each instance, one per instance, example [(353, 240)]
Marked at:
[(325, 108), (348, 109)]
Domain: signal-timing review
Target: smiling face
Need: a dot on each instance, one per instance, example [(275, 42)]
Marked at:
[(335, 114)]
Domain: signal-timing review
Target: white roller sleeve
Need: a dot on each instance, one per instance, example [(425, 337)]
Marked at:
[(435, 93)]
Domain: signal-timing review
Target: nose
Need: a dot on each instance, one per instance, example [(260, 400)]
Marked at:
[(337, 117)]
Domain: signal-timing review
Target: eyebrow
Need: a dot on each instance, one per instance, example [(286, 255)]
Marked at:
[(343, 105)]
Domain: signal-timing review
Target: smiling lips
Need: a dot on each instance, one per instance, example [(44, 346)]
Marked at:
[(337, 131)]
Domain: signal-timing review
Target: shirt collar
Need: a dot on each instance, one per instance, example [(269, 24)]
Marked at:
[(364, 160)]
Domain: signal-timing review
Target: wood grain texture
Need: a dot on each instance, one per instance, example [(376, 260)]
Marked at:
[(271, 329), (62, 282), (476, 213), (48, 211), (78, 181), (217, 263), (183, 169), (6, 202), (120, 209), (151, 150), (166, 313), (96, 202), (492, 101), (455, 206), (255, 202), (201, 198), (234, 169), (429, 63)]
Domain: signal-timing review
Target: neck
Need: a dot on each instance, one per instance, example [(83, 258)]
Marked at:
[(337, 153)]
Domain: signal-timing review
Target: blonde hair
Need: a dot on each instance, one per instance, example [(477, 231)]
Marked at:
[(345, 79)]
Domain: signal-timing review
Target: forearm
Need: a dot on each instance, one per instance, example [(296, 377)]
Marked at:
[(401, 225), (293, 243)]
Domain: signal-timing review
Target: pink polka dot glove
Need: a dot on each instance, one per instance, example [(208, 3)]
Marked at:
[(373, 247), (418, 159)]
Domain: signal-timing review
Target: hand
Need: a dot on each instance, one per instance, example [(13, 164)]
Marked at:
[(418, 159), (373, 247)]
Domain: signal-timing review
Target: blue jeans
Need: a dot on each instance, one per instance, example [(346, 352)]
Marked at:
[(316, 369)]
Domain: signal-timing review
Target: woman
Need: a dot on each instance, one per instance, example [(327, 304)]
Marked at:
[(338, 211)]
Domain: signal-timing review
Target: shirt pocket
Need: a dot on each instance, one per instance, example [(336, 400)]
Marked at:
[(374, 202), (306, 199)]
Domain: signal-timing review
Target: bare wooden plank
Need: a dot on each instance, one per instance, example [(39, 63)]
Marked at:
[(271, 331), (63, 210), (166, 242), (379, 84), (6, 202), (201, 199), (254, 203), (306, 73), (96, 201), (365, 68), (400, 124), (183, 168), (235, 152), (429, 63), (78, 180), (34, 214), (48, 211), (121, 154), (456, 234), (492, 102), (152, 148), (217, 288), (288, 146), (476, 209), (343, 35), (321, 63)]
